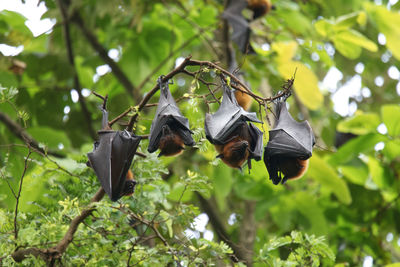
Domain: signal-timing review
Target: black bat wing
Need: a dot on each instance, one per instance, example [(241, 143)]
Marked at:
[(111, 159), (220, 125), (290, 137), (257, 142), (240, 25), (168, 113)]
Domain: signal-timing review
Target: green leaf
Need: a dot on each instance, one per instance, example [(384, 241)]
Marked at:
[(387, 22), (392, 149), (323, 27), (380, 175), (285, 50), (305, 83), (360, 124), (222, 184), (7, 93), (354, 147), (324, 174), (391, 118), (49, 136), (356, 172), (307, 205), (349, 20), (350, 42)]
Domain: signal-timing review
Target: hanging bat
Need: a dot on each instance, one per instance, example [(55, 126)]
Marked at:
[(236, 140), (111, 158), (289, 148), (169, 130), (240, 25)]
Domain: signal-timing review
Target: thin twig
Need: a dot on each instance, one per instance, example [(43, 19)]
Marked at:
[(56, 252), (20, 132), (237, 84), (18, 195)]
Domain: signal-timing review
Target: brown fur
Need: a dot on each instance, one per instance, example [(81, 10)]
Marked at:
[(171, 144)]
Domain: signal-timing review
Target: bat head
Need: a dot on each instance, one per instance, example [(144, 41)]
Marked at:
[(166, 130), (129, 188)]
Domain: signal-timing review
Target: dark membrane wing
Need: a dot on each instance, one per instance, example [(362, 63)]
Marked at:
[(156, 131), (173, 122), (124, 146), (301, 132), (221, 124), (281, 143), (272, 165), (100, 160), (186, 136), (167, 113), (257, 142), (112, 158), (240, 26)]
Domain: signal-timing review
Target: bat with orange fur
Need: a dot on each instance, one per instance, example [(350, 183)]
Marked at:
[(169, 130), (240, 25), (289, 147), (229, 129)]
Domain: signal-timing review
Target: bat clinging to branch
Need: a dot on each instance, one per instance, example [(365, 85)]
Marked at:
[(111, 159), (289, 148), (236, 140), (170, 130), (240, 25)]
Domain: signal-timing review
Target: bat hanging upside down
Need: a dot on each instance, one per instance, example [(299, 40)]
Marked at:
[(236, 151), (240, 25), (111, 159), (289, 147), (235, 139), (171, 143), (170, 130)]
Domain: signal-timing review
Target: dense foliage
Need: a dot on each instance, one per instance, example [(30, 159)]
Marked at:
[(345, 210)]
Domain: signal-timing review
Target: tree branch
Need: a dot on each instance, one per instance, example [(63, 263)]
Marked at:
[(77, 84), (116, 70), (237, 84), (207, 207), (20, 132), (57, 251), (18, 195)]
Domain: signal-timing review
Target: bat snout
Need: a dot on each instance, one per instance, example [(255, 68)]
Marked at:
[(166, 130)]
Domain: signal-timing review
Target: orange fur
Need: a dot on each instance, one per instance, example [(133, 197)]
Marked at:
[(293, 168), (243, 99), (234, 153), (259, 7)]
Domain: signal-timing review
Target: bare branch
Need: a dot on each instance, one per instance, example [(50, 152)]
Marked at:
[(236, 84), (116, 70), (20, 132), (77, 84), (18, 195), (238, 253), (56, 252)]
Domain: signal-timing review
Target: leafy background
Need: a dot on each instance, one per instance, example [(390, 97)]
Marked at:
[(344, 212)]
